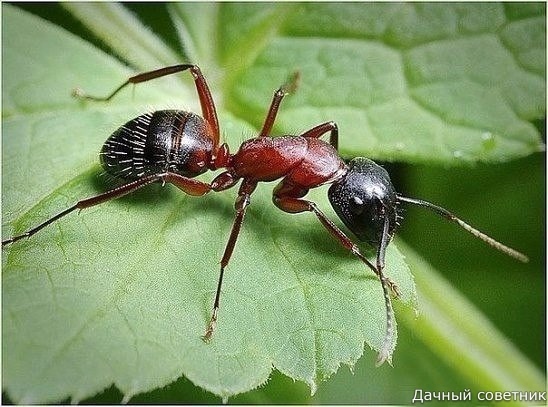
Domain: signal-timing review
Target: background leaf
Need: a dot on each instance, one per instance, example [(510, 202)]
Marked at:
[(127, 283), (445, 72)]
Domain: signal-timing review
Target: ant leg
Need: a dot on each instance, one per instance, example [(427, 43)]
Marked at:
[(272, 112), (321, 129), (142, 77), (297, 205), (85, 203), (188, 185), (241, 205), (206, 100), (224, 180), (385, 237), (285, 89)]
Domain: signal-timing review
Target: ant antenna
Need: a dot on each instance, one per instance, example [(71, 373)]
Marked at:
[(387, 343), (449, 216)]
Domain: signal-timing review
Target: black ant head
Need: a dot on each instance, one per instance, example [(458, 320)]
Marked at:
[(364, 199)]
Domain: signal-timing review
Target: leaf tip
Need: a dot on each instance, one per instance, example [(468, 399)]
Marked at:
[(385, 353), (127, 397), (313, 387), (383, 356)]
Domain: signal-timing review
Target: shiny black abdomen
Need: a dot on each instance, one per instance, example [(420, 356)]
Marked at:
[(158, 142)]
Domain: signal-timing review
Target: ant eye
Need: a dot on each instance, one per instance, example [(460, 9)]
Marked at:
[(356, 205)]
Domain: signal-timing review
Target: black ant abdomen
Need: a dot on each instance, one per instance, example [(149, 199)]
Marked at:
[(163, 141)]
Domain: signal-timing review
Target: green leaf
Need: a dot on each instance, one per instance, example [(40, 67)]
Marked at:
[(417, 82), (121, 293)]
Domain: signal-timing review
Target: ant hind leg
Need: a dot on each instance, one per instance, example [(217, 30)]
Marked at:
[(190, 186), (206, 100)]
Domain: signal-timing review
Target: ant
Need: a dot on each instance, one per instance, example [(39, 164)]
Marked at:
[(174, 146)]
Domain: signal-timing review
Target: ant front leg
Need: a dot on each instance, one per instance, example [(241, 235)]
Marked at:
[(190, 186), (206, 100), (242, 202), (287, 198), (297, 205)]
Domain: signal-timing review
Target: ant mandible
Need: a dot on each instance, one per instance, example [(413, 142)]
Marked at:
[(174, 146)]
